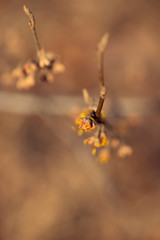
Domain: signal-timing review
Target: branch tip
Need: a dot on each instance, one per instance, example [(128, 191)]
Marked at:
[(30, 15), (26, 9), (101, 46), (32, 27)]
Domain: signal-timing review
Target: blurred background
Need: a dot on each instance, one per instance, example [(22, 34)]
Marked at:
[(50, 185)]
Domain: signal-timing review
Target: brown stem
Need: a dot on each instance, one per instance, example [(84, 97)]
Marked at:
[(101, 101), (33, 28), (99, 107), (100, 68), (101, 47)]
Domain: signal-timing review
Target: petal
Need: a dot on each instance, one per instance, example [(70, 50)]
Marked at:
[(85, 141), (94, 151), (80, 132), (104, 156)]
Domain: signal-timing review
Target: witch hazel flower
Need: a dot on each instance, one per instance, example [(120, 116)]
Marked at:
[(94, 118), (99, 139), (43, 68), (85, 121)]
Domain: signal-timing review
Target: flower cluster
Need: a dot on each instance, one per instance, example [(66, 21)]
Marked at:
[(85, 121), (43, 68), (104, 138), (99, 139)]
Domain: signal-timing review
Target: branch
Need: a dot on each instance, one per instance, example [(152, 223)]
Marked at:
[(100, 52), (33, 28)]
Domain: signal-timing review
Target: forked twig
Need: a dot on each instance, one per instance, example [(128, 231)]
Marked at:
[(100, 52)]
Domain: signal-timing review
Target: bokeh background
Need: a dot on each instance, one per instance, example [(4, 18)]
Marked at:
[(50, 185)]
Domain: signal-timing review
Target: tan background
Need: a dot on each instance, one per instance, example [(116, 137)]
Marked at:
[(50, 185)]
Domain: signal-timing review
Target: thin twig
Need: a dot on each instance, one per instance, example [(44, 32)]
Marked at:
[(100, 51), (33, 28)]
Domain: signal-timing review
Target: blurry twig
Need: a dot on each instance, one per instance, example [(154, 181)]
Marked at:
[(32, 27), (42, 68)]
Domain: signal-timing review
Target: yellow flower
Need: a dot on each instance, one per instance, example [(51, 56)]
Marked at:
[(104, 156), (103, 139), (97, 141), (85, 121)]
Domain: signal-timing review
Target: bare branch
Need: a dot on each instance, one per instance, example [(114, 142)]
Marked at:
[(33, 28), (101, 46), (100, 52)]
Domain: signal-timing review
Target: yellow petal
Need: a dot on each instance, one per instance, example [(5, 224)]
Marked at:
[(104, 156), (80, 132), (75, 128), (104, 142), (94, 151), (85, 113), (103, 116)]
